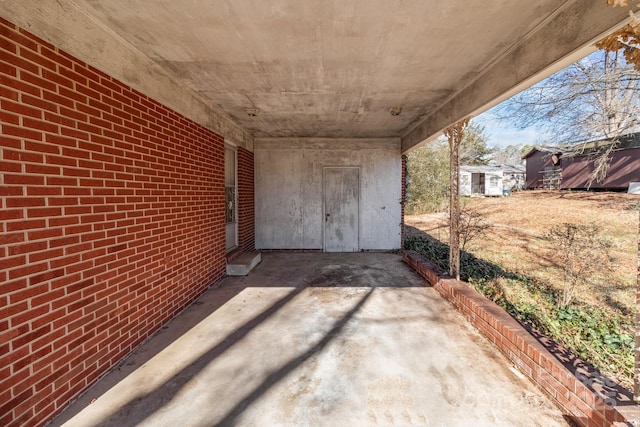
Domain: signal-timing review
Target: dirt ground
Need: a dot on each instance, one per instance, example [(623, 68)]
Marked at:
[(517, 224)]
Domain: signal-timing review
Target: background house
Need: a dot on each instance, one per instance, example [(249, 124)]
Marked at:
[(494, 180), (553, 167)]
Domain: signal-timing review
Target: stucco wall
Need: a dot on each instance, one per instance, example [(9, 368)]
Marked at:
[(289, 190)]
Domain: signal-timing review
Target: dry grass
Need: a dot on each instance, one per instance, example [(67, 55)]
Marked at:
[(517, 225)]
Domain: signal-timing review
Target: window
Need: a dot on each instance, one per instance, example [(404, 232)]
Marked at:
[(494, 181)]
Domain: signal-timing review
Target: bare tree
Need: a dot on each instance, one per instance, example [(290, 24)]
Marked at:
[(472, 225), (581, 254), (595, 98), (511, 154)]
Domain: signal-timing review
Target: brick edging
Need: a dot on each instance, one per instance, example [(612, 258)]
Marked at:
[(584, 395)]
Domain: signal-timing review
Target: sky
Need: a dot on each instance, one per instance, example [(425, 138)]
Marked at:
[(501, 133)]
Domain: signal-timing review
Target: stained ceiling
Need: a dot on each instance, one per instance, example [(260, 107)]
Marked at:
[(334, 68)]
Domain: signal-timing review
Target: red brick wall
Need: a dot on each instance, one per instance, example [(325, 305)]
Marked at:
[(246, 204), (112, 221)]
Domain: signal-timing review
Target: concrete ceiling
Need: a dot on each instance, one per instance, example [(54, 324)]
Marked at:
[(322, 68), (333, 68)]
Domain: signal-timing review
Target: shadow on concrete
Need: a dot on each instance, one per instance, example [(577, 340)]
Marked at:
[(161, 394), (335, 270), (275, 377), (155, 399)]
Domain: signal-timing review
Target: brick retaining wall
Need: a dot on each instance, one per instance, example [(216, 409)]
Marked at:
[(585, 396)]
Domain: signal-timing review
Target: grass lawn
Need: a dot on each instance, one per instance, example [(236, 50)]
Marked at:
[(528, 277)]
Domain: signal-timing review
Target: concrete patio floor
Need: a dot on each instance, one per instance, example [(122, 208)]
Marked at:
[(314, 339)]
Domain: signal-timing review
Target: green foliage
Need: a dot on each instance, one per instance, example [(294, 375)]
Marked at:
[(601, 337), (438, 252), (428, 169), (473, 148)]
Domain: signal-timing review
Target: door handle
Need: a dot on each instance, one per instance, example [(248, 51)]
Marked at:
[(326, 217)]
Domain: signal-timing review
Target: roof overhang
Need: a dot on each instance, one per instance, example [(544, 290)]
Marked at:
[(334, 69)]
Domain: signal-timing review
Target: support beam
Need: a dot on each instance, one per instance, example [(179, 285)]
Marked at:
[(566, 37), (636, 375), (454, 133)]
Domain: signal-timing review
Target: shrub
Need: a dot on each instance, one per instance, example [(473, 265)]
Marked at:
[(580, 253)]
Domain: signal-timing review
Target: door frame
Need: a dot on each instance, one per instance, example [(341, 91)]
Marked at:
[(478, 185), (324, 237), (234, 149)]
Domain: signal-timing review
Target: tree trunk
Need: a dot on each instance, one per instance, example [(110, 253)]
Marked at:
[(454, 133)]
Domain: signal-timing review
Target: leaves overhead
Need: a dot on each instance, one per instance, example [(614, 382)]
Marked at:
[(626, 38), (621, 3)]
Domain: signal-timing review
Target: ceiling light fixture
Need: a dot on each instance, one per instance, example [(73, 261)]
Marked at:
[(395, 111)]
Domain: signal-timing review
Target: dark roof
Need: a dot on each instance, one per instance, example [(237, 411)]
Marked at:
[(625, 142), (543, 149)]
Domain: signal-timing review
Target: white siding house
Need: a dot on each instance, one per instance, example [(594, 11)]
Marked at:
[(490, 180)]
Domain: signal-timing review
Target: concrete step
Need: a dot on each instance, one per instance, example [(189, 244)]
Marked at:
[(243, 264)]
